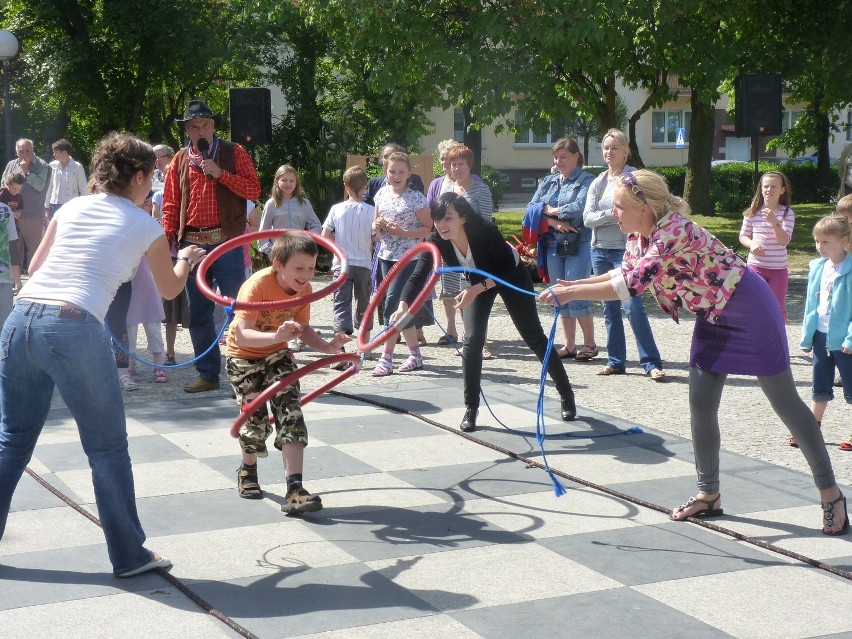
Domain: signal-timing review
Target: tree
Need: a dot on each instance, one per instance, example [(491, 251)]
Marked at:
[(92, 67)]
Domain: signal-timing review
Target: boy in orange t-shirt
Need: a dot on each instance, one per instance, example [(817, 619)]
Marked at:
[(258, 356)]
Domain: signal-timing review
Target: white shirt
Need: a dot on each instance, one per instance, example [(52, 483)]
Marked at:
[(99, 242), (830, 273), (66, 182), (352, 224)]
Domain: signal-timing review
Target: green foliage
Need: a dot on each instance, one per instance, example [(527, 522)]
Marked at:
[(494, 179)]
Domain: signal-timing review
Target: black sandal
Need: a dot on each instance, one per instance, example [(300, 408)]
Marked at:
[(247, 484), (709, 511), (828, 517)]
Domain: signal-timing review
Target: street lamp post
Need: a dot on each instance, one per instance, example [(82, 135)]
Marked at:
[(8, 50)]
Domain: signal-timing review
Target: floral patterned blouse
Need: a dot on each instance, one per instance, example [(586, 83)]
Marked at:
[(685, 265), (401, 209)]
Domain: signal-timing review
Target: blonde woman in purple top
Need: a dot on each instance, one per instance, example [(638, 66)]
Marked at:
[(738, 330), (767, 230)]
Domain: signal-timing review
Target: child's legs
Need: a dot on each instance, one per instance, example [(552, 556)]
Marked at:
[(154, 335), (171, 337), (822, 385), (778, 279), (361, 287), (132, 336), (291, 432), (342, 306), (293, 454), (248, 379), (780, 390)]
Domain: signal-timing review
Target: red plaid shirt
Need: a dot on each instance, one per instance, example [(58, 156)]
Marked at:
[(203, 210)]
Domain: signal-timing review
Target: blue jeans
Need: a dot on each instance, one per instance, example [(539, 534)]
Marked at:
[(824, 362), (394, 292), (571, 267), (603, 261), (228, 272), (40, 350)]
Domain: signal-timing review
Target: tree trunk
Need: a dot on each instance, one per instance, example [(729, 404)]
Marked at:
[(696, 190), (472, 138)]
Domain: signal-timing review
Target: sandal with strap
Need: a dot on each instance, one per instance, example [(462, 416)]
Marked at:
[(657, 374), (127, 384), (707, 512), (586, 353), (448, 340), (564, 353), (828, 517), (299, 501), (247, 484), (413, 363), (160, 376), (383, 368), (609, 370)]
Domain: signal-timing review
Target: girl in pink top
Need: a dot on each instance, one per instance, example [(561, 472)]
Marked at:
[(767, 230)]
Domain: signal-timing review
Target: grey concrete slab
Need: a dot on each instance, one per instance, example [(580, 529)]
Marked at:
[(70, 456), (646, 554), (30, 495), (380, 426), (296, 602), (605, 614)]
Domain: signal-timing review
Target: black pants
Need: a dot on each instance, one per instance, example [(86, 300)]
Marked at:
[(116, 321), (524, 313)]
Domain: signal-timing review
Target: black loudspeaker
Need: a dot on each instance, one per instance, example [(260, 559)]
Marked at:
[(251, 115), (758, 104)]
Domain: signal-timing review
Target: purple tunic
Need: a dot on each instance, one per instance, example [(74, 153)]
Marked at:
[(748, 338)]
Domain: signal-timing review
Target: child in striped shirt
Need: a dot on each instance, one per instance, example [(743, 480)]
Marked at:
[(767, 230)]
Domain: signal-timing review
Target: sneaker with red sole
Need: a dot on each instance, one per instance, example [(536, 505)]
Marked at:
[(847, 445)]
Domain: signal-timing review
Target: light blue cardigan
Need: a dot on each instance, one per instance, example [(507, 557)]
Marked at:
[(840, 323)]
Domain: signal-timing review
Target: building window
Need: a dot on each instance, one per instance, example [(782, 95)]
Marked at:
[(458, 125), (789, 117), (664, 126), (528, 137)]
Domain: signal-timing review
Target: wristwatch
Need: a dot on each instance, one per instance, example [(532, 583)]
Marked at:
[(188, 260)]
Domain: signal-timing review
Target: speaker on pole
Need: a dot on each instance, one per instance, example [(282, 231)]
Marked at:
[(758, 105), (251, 115)]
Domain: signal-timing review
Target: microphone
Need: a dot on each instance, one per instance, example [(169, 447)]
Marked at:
[(204, 146)]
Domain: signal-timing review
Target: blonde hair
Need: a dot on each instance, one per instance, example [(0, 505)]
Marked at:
[(619, 136), (446, 145), (653, 186), (835, 225), (277, 196), (844, 206), (757, 201)]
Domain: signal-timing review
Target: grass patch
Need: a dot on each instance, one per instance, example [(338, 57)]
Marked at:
[(727, 229)]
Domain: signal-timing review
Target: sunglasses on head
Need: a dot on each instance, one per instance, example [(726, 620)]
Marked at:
[(628, 180)]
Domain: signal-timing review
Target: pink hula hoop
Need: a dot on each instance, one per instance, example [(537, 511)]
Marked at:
[(201, 276), (418, 302), (247, 410)]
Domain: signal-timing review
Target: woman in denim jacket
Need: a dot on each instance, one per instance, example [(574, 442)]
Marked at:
[(563, 198)]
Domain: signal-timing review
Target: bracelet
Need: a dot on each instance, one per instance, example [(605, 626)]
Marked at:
[(188, 260)]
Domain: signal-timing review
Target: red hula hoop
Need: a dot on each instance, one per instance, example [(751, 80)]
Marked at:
[(247, 410), (201, 276), (418, 302)]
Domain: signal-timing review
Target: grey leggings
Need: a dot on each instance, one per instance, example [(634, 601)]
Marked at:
[(705, 395)]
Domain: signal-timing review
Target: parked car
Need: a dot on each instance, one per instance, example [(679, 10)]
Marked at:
[(722, 162)]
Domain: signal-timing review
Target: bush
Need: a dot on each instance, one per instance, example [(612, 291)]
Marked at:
[(496, 182), (732, 185)]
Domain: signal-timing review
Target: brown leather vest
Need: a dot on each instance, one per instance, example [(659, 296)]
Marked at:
[(232, 207)]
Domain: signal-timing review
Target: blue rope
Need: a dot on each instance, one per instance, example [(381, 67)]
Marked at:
[(229, 312)]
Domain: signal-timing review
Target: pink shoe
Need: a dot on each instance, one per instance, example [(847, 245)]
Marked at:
[(411, 364), (160, 376), (383, 368)]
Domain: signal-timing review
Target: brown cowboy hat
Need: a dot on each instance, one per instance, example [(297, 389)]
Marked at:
[(197, 109)]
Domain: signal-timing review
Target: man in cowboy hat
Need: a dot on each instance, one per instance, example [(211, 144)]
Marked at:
[(204, 203)]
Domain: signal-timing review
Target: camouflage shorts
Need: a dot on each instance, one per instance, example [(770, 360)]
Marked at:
[(250, 377)]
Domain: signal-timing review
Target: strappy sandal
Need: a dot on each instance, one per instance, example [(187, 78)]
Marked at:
[(247, 484), (586, 353), (160, 376), (299, 500), (708, 511), (564, 353), (828, 517), (383, 368), (411, 364), (657, 374), (609, 370), (448, 340)]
